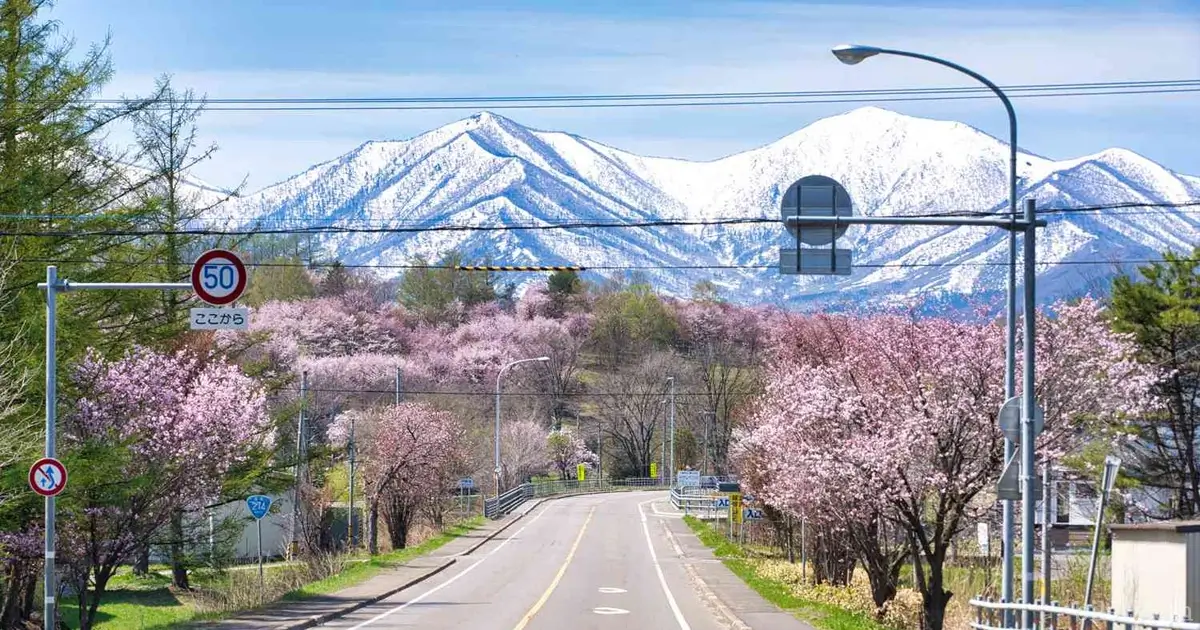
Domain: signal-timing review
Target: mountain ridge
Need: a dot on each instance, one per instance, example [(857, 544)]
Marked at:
[(488, 170)]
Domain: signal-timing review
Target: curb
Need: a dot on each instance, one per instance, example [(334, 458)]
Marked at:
[(317, 620), (492, 535)]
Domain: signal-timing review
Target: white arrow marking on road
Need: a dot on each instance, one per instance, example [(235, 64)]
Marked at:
[(612, 589), (605, 610)]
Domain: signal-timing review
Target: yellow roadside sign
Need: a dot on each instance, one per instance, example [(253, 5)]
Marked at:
[(735, 506), (654, 470), (580, 472)]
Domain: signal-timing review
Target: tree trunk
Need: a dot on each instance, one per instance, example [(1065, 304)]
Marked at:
[(142, 565), (373, 529), (399, 514), (179, 572)]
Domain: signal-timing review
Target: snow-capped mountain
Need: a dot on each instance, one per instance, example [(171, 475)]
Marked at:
[(487, 170)]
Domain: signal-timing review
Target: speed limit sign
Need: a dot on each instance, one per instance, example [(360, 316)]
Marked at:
[(218, 277)]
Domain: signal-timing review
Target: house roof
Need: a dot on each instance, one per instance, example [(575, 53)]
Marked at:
[(1181, 527)]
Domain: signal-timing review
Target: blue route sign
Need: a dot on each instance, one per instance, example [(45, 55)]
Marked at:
[(721, 502), (259, 505)]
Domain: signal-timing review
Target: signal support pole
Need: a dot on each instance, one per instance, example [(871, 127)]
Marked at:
[(218, 278), (1028, 224), (53, 286)]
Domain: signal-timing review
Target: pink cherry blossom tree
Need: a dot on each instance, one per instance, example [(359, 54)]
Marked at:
[(888, 421), (169, 427), (410, 453), (566, 451), (725, 342), (523, 452)]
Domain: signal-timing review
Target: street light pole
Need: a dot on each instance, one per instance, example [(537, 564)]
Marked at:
[(671, 465), (498, 377), (851, 54)]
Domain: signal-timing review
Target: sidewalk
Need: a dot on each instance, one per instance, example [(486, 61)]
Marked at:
[(741, 605), (307, 613)]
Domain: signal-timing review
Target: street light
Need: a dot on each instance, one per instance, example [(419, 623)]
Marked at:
[(851, 54), (498, 377)]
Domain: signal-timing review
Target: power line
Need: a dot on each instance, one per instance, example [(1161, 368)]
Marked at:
[(697, 99), (416, 228), (1016, 88), (694, 103), (401, 266)]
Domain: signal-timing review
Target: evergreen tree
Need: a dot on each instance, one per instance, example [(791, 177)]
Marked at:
[(1162, 311)]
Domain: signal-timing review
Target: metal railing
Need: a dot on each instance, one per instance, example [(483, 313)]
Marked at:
[(697, 502), (989, 615), (497, 507)]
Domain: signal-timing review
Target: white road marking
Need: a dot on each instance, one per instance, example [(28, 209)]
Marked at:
[(452, 580), (605, 610), (657, 512), (662, 579), (674, 543), (612, 589), (557, 577)]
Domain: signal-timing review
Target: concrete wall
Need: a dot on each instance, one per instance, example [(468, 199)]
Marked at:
[(275, 528), (233, 530), (1150, 571)]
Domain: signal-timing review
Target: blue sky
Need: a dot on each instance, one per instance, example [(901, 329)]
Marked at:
[(363, 48)]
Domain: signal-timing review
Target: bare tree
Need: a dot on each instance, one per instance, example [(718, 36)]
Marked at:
[(631, 407)]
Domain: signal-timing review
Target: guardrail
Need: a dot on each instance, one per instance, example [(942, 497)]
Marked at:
[(696, 501), (497, 507), (988, 613)]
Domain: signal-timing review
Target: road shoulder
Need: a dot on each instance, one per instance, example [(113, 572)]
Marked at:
[(743, 608), (313, 611)]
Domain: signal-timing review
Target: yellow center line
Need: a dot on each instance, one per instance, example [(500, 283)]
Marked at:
[(557, 578)]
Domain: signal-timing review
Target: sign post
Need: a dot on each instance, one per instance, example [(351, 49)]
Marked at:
[(580, 472), (464, 484), (259, 505), (217, 285)]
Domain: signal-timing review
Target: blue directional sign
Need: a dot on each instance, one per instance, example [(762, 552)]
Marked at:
[(752, 514), (721, 502), (259, 505)]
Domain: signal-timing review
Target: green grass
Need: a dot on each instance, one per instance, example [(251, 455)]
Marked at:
[(146, 603), (364, 571), (820, 615), (133, 602)]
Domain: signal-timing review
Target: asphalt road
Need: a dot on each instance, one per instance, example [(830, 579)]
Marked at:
[(581, 563)]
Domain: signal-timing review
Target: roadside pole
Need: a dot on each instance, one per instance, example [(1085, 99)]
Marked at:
[(51, 590), (218, 277), (826, 221), (352, 456), (671, 466)]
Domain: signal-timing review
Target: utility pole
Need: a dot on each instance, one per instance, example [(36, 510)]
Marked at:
[(350, 447), (301, 451), (600, 453), (671, 466), (1028, 404), (663, 451), (1046, 560), (399, 385)]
